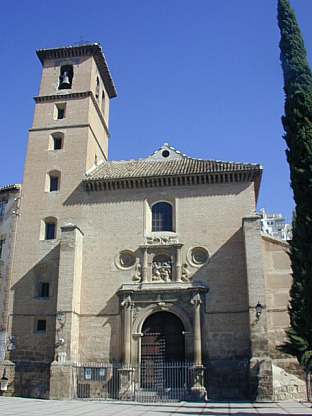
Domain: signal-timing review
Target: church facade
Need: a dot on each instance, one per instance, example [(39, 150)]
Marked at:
[(135, 262)]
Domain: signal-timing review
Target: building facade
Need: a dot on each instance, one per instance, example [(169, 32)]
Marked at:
[(136, 262)]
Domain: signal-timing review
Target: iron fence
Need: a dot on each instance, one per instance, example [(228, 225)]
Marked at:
[(151, 381)]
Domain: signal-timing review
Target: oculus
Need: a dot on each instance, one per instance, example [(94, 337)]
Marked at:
[(127, 259), (199, 256)]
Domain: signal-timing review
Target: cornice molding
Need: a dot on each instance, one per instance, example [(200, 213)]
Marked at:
[(74, 96), (91, 185), (94, 50)]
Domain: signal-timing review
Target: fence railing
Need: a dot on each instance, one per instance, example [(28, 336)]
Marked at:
[(153, 381)]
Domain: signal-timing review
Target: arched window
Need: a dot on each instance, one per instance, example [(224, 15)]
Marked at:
[(162, 217)]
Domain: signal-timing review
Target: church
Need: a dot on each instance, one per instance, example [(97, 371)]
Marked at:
[(145, 279)]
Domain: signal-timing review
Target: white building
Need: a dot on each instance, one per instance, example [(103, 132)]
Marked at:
[(275, 225)]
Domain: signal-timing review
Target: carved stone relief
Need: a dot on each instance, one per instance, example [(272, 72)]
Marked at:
[(138, 273), (162, 269), (161, 240), (185, 276)]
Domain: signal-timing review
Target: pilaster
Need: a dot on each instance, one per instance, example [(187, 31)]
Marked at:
[(68, 311), (261, 383)]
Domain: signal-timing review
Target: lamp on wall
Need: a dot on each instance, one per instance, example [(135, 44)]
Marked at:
[(4, 381), (259, 309), (61, 317)]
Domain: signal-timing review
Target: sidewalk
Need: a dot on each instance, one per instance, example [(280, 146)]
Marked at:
[(34, 407)]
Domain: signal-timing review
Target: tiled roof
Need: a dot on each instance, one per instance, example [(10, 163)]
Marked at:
[(153, 168)]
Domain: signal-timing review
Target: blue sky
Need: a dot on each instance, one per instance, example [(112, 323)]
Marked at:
[(203, 75)]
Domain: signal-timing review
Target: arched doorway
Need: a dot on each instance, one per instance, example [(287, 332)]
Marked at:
[(163, 338), (162, 353)]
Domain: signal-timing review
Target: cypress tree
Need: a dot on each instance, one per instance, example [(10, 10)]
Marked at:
[(297, 123)]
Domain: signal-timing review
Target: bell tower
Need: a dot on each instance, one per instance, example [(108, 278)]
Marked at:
[(75, 92), (68, 137)]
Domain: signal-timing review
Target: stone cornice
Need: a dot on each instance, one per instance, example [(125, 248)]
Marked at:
[(94, 50), (156, 288), (274, 240), (168, 181), (74, 96), (72, 126)]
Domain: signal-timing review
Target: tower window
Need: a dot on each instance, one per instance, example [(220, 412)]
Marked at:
[(97, 88), (53, 180), (50, 229), (54, 183), (56, 141), (2, 241), (2, 208), (41, 325), (162, 217), (103, 102), (66, 77), (44, 289), (59, 112)]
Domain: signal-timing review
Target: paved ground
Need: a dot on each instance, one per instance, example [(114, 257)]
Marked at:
[(33, 407)]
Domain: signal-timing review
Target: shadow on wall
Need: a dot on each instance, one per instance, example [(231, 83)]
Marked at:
[(225, 323), (35, 347)]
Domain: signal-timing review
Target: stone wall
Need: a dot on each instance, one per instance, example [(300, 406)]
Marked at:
[(288, 377), (8, 232)]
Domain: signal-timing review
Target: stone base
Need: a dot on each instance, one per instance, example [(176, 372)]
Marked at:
[(126, 383), (8, 368), (261, 379), (227, 379), (287, 386), (198, 392), (62, 381)]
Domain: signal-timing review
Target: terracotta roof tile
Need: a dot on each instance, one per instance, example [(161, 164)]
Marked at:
[(149, 168)]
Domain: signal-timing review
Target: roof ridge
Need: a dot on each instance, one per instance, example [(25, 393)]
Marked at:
[(147, 160)]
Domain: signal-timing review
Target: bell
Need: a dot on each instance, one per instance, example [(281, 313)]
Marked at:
[(65, 83)]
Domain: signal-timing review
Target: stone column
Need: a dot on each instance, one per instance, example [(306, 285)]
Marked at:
[(179, 265), (145, 266), (126, 372), (198, 391), (127, 312), (260, 369), (68, 312)]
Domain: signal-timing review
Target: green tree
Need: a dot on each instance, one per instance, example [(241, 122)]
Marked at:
[(297, 123)]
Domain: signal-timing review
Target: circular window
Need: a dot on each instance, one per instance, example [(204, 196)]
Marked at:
[(126, 259), (199, 255), (165, 153)]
